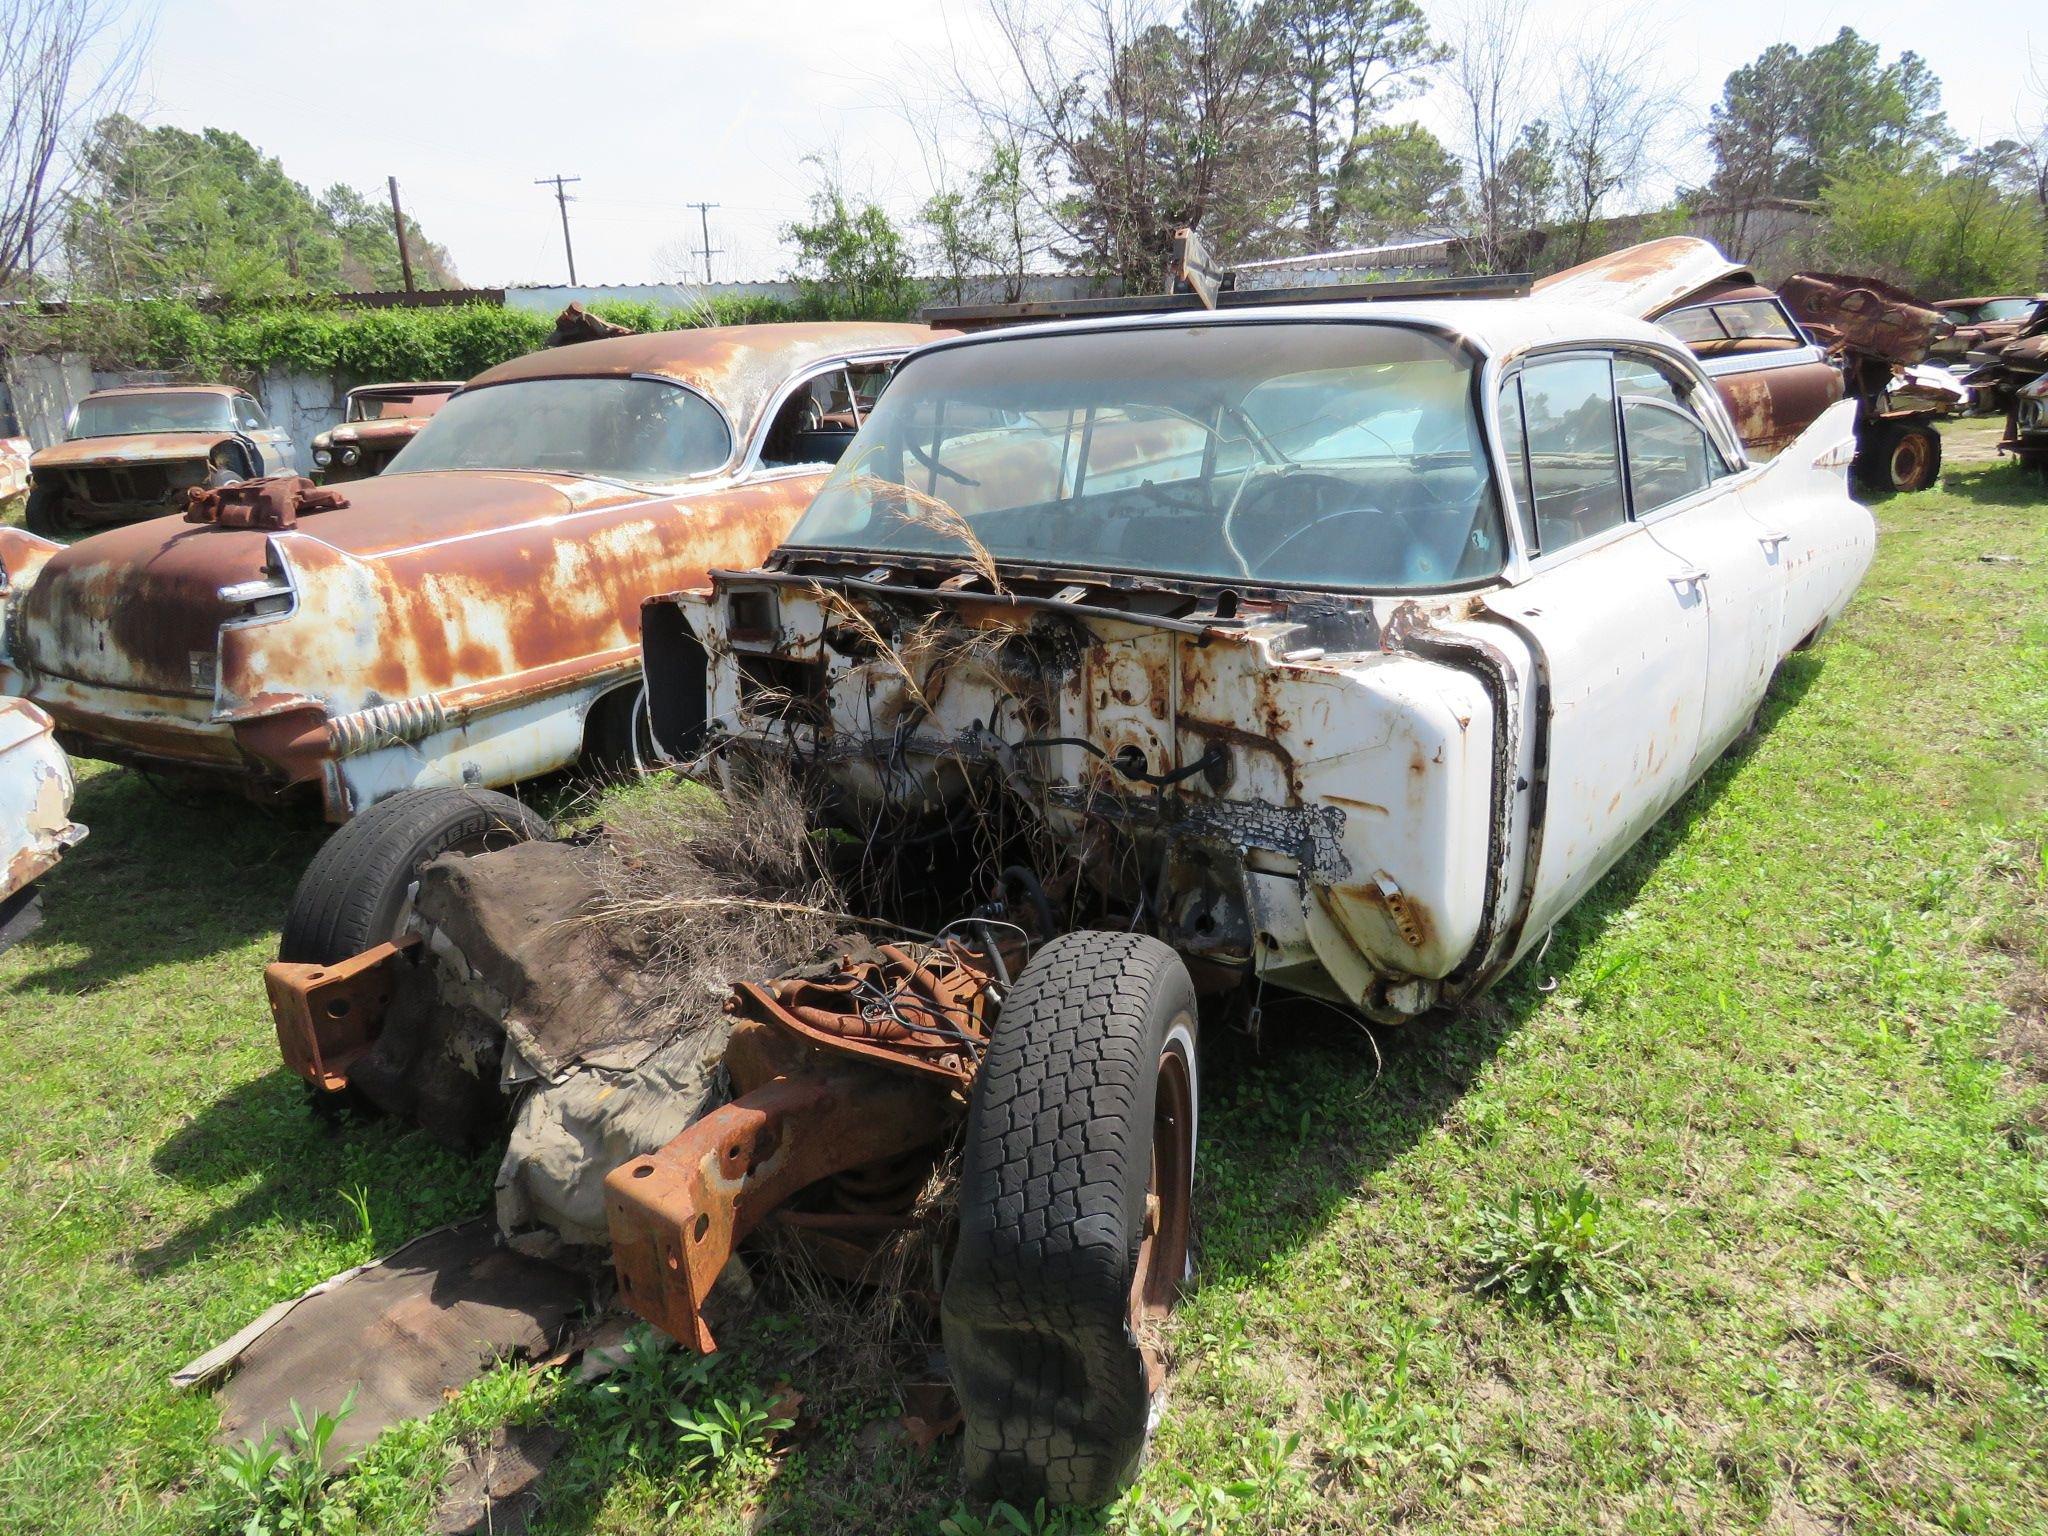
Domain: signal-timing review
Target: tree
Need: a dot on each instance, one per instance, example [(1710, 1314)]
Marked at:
[(62, 63), (369, 249), (1401, 180), (1147, 120), (1787, 121), (1611, 114), (1974, 228), (161, 212), (1510, 169), (1346, 62), (853, 263)]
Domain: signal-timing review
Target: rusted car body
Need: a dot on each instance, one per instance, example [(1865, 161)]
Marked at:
[(378, 420), (1382, 796), (131, 454), (35, 813), (1981, 322), (456, 619), (1773, 377)]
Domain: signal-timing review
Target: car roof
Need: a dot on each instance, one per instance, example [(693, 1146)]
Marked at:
[(738, 366), (151, 389), (1984, 298), (413, 386), (1497, 328)]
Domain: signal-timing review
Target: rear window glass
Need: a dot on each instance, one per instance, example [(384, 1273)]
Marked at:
[(641, 431)]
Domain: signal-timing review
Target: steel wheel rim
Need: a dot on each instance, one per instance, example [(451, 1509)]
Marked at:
[(1909, 457), (1163, 1249)]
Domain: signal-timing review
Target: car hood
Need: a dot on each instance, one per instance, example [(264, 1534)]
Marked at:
[(139, 607), (1644, 280), (129, 448), (384, 432)]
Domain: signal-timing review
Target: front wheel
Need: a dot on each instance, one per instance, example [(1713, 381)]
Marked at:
[(45, 513), (357, 891), (1075, 1194)]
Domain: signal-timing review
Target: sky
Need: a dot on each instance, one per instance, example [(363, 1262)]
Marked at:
[(659, 104)]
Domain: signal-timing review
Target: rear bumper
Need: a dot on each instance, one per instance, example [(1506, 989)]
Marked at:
[(485, 735)]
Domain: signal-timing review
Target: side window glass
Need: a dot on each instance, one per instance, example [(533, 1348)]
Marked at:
[(1670, 453), (1693, 326), (1759, 322), (249, 415), (816, 422), (1574, 450), (1514, 447)]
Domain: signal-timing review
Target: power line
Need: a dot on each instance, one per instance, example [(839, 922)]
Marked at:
[(562, 197), (704, 223)]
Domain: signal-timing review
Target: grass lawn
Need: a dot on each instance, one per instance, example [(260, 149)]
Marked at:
[(1795, 1046)]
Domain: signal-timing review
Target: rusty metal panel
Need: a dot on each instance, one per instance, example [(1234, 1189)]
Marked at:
[(329, 1015), (1644, 279)]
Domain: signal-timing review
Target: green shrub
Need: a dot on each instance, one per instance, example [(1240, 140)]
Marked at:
[(452, 342)]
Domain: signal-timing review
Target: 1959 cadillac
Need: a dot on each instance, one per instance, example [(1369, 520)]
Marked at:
[(471, 615), (1154, 665)]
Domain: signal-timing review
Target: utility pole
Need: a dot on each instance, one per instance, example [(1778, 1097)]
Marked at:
[(558, 182), (704, 223), (398, 224)]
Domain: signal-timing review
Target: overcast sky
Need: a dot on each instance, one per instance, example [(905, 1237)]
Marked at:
[(659, 103)]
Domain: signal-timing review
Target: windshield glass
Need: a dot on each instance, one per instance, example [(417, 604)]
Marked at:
[(391, 407), (642, 431), (2006, 309), (1313, 454), (170, 410)]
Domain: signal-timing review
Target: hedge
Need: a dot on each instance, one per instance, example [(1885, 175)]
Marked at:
[(444, 343)]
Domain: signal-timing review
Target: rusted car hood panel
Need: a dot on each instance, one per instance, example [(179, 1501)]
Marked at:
[(133, 448), (1645, 279), (387, 432)]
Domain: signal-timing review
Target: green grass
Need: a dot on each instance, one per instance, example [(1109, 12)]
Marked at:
[(1795, 1048)]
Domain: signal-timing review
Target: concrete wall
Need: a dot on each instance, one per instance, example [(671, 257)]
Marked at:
[(43, 390)]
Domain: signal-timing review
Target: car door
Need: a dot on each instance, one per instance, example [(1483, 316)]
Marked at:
[(1618, 623), (275, 453), (1682, 489)]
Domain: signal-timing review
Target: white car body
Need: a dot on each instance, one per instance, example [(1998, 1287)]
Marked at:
[(35, 811), (1403, 792)]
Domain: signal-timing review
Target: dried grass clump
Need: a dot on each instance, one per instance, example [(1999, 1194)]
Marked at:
[(924, 510), (715, 891)]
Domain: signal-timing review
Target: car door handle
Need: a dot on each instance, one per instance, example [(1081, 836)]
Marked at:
[(1771, 541), (1687, 581)]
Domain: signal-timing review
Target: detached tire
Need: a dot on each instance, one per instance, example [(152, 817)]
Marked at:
[(1901, 458), (358, 888), (1075, 1191)]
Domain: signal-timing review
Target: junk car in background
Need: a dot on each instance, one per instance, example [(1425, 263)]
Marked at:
[(132, 453), (1773, 377), (378, 420), (468, 617)]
